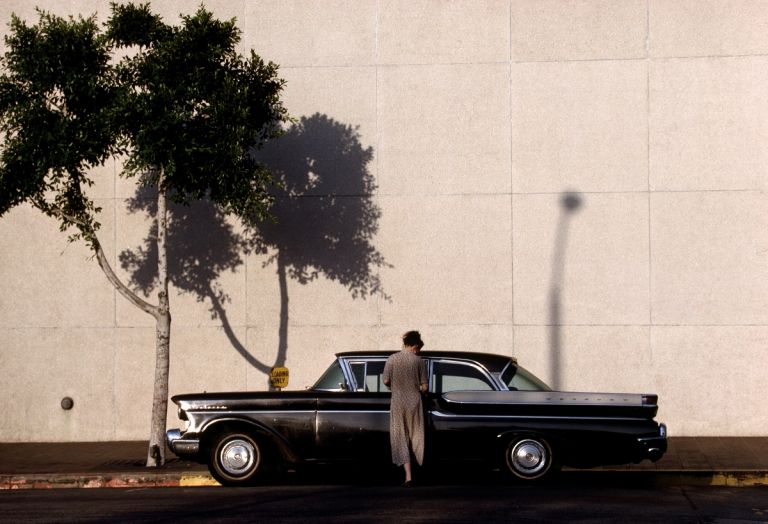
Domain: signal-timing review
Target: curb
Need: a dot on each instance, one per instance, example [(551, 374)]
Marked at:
[(747, 478), (106, 480), (198, 479), (95, 480), (731, 479), (675, 478)]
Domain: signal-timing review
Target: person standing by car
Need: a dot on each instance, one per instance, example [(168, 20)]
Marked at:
[(405, 373)]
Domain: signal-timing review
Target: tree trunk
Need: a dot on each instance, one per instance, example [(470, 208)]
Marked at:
[(161, 313), (156, 453)]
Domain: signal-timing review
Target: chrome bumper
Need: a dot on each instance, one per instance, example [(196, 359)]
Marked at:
[(182, 446), (655, 446)]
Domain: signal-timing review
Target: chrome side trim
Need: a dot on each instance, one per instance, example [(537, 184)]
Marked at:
[(550, 398), (345, 411), (239, 412), (537, 417)]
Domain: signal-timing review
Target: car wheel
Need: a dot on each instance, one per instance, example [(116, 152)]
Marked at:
[(236, 459), (529, 458)]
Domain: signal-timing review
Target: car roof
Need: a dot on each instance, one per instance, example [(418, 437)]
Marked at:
[(490, 361)]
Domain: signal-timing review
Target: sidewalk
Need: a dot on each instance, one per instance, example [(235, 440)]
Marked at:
[(722, 461)]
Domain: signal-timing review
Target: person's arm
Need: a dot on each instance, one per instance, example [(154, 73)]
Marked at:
[(423, 377), (387, 375)]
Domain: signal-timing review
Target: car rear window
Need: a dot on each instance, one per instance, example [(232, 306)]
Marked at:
[(520, 379)]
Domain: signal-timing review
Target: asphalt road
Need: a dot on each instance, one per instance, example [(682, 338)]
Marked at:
[(380, 503)]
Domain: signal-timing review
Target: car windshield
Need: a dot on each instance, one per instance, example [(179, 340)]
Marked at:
[(520, 379), (332, 380)]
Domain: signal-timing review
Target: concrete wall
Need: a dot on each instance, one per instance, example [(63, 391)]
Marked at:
[(480, 116)]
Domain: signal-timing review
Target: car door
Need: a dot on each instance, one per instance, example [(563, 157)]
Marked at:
[(354, 424), (451, 436)]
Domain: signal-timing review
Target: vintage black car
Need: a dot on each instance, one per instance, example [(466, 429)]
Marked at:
[(480, 407)]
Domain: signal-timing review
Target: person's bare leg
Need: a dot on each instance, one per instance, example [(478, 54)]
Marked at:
[(407, 467)]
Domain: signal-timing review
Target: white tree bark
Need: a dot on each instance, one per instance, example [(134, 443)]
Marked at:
[(121, 288), (156, 453)]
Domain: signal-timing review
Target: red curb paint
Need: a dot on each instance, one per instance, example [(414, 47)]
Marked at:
[(116, 481)]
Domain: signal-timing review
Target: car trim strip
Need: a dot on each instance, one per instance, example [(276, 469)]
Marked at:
[(452, 415)]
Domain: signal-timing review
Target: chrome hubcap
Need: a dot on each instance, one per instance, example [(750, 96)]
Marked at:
[(528, 457), (237, 457)]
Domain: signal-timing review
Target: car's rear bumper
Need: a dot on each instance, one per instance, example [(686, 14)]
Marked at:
[(654, 446)]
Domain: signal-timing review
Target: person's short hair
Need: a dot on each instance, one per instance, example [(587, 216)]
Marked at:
[(413, 338)]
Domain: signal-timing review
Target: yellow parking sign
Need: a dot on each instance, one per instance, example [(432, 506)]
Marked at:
[(278, 378)]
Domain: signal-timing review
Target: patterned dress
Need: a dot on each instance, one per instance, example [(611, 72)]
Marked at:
[(405, 372)]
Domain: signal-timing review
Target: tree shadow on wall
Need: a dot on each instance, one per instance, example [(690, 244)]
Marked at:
[(325, 221)]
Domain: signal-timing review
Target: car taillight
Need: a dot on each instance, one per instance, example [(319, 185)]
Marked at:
[(650, 400)]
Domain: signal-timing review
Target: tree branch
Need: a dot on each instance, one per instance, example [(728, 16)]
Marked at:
[(121, 288)]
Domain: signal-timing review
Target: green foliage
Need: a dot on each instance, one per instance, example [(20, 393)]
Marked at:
[(182, 102), (56, 115), (197, 110), (133, 24)]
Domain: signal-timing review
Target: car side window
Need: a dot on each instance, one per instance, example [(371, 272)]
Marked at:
[(457, 376), (368, 376), (358, 371)]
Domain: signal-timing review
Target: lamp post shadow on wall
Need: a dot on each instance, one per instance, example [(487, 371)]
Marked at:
[(569, 205), (325, 221)]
